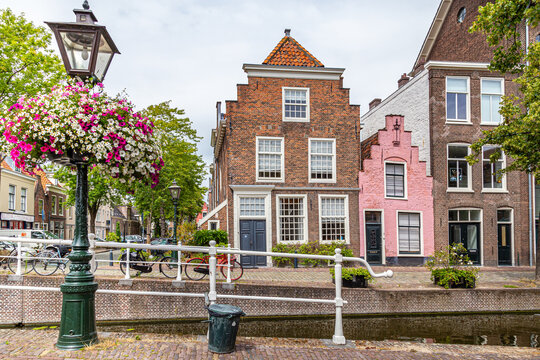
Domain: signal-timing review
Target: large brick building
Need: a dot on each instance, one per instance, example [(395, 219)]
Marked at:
[(449, 99), (286, 156)]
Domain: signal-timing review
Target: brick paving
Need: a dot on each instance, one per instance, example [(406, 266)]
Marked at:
[(19, 344)]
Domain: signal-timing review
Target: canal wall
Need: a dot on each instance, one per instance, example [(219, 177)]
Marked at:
[(28, 307)]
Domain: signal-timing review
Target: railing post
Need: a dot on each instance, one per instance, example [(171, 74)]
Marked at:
[(212, 294), (179, 264), (19, 255), (229, 264), (128, 255), (338, 337), (92, 250)]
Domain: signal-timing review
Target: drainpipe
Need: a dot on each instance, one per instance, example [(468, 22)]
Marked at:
[(530, 177)]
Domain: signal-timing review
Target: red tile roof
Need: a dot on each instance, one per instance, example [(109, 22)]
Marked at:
[(289, 52), (44, 179), (6, 166)]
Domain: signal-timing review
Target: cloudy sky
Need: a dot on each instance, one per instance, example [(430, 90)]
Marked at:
[(191, 52)]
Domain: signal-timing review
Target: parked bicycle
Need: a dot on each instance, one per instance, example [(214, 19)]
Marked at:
[(198, 267), (138, 261), (43, 261)]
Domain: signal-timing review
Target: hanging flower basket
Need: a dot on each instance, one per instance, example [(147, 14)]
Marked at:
[(75, 122)]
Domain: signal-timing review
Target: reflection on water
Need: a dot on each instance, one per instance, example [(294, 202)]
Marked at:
[(509, 330)]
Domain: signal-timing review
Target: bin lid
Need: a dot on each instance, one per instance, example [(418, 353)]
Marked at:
[(225, 310)]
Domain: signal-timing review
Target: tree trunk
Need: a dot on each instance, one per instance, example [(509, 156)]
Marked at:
[(537, 262), (92, 210), (162, 224), (148, 227)]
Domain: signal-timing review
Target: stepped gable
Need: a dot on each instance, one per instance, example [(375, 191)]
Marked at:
[(288, 52), (366, 146)]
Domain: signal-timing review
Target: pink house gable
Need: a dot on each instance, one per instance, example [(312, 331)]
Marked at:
[(391, 148)]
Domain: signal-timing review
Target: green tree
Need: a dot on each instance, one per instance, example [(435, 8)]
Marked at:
[(102, 190), (27, 63), (503, 22), (519, 135), (179, 148)]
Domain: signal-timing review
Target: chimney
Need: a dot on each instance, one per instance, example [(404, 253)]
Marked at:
[(374, 103), (403, 80), (287, 32)]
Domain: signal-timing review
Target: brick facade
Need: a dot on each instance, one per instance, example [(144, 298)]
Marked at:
[(258, 112)]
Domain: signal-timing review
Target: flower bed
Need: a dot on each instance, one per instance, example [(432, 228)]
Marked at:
[(451, 268), (353, 277)]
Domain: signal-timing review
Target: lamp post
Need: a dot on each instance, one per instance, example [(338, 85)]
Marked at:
[(87, 50), (175, 194)]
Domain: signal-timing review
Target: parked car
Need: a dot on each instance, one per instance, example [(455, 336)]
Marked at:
[(134, 239), (161, 241)]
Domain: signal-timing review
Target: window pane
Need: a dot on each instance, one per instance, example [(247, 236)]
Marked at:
[(503, 215), (487, 175), (495, 105), (456, 85), (486, 108), (463, 174), (251, 206), (403, 219), (475, 215), (457, 151), (332, 219), (452, 215), (291, 219), (296, 103), (414, 219), (464, 215), (472, 240), (451, 106), (462, 106), (491, 87)]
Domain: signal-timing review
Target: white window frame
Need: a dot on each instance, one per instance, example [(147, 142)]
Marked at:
[(54, 207), (334, 167), (482, 93), (12, 196), (24, 199), (469, 170), (347, 230), (259, 179), (404, 197), (468, 107), (421, 253), (503, 189), (213, 222), (306, 119), (304, 197), (511, 222)]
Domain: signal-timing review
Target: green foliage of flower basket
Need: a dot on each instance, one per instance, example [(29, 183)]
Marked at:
[(450, 267), (310, 248), (348, 273)]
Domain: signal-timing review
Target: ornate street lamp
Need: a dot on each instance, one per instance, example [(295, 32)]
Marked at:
[(175, 194), (87, 50)]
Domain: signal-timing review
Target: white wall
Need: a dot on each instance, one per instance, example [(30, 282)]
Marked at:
[(411, 101)]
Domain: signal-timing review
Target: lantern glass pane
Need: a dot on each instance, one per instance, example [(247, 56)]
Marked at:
[(103, 58), (78, 46)]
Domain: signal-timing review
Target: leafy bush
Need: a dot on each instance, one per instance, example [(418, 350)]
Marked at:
[(347, 273), (311, 248), (451, 265), (203, 238), (112, 237), (185, 232)]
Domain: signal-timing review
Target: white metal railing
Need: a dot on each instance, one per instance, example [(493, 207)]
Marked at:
[(212, 251)]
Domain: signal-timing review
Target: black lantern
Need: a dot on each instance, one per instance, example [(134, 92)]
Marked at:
[(175, 191), (87, 48)]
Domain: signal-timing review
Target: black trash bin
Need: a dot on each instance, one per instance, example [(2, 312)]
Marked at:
[(223, 327)]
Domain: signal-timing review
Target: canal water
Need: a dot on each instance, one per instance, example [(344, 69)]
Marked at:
[(484, 329)]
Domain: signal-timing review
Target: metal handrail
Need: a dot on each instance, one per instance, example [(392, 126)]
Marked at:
[(212, 250)]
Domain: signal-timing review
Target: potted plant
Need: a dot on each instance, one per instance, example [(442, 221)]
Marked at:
[(353, 277), (450, 268)]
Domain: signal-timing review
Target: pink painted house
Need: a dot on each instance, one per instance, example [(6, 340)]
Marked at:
[(396, 203)]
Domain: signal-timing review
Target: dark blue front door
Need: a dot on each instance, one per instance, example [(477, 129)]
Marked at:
[(253, 237)]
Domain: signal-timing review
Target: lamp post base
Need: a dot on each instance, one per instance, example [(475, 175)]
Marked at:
[(78, 324)]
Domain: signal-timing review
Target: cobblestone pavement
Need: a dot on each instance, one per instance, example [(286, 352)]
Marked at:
[(17, 344)]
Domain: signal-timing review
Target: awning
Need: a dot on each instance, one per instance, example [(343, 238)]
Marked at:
[(17, 217)]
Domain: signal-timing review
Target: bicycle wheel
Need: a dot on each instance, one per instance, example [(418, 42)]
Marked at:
[(196, 269), (169, 267), (48, 262), (236, 270), (123, 263), (27, 263)]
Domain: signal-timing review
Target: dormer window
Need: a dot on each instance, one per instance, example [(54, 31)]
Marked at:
[(295, 104)]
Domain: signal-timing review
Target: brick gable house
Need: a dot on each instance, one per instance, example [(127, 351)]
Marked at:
[(448, 99), (286, 156)]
